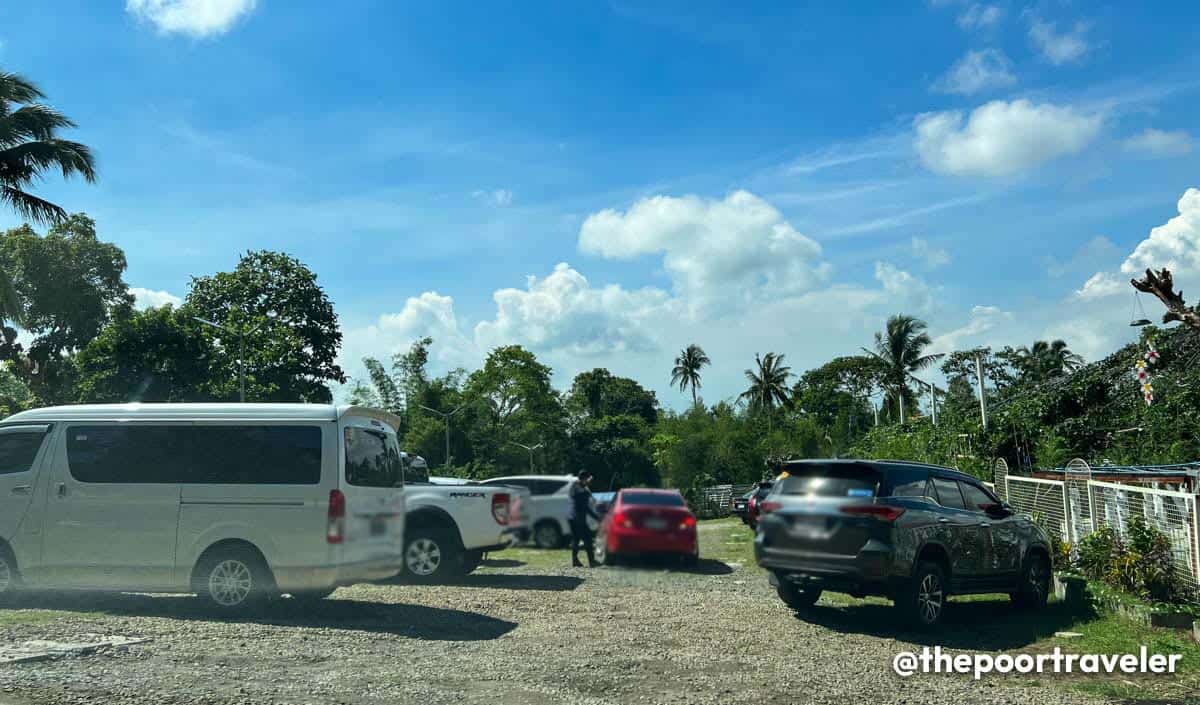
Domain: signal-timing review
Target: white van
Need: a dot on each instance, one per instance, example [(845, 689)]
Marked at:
[(234, 502)]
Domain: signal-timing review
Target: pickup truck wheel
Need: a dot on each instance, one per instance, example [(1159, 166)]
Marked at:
[(431, 556), (797, 598), (1034, 589), (923, 601), (547, 535), (470, 561)]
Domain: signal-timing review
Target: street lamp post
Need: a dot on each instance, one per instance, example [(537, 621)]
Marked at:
[(445, 416), (530, 449), (241, 334)]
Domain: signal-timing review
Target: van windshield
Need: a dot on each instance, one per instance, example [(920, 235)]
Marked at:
[(372, 459)]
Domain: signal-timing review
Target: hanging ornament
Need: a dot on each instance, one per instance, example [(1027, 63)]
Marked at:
[(1141, 370)]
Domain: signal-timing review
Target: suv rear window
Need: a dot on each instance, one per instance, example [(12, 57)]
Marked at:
[(655, 499), (907, 481), (817, 480), (948, 494)]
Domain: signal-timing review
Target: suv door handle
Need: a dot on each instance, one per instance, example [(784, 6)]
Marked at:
[(985, 525), (21, 489), (943, 520)]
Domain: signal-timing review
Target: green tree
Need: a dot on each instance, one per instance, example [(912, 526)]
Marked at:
[(511, 399), (70, 285), (292, 354), (901, 348), (611, 419), (836, 395), (768, 383), (159, 354), (30, 147), (1045, 360), (686, 372)]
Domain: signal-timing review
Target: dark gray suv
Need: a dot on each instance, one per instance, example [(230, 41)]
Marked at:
[(914, 533)]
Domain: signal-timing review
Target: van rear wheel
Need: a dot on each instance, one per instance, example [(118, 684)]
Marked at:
[(232, 579), (9, 578)]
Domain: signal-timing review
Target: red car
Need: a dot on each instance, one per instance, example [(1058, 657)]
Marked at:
[(647, 522)]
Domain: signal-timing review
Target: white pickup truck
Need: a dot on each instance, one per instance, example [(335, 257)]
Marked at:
[(449, 527)]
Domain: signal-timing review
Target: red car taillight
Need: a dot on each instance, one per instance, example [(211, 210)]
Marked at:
[(500, 504), (620, 519), (878, 511), (768, 506), (335, 531), (689, 522)]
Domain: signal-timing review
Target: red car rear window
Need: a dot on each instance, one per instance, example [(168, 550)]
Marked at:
[(656, 499)]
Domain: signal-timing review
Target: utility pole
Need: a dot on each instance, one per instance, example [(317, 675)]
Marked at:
[(982, 401), (530, 449), (446, 419), (900, 395), (241, 334)]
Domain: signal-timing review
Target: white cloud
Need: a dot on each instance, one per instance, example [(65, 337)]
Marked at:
[(1175, 244), (932, 257), (1058, 48), (430, 314), (1161, 143), (500, 198), (979, 15), (196, 18), (904, 289), (1001, 138), (149, 298), (1094, 254), (716, 252), (983, 319), (1100, 285), (979, 70), (563, 312)]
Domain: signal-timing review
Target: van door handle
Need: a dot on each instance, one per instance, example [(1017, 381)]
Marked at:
[(62, 489), (21, 489)]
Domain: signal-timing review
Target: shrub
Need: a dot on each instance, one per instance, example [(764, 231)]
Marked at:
[(1151, 550), (1097, 551)]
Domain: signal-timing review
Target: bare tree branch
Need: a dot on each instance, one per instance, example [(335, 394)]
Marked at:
[(1163, 287)]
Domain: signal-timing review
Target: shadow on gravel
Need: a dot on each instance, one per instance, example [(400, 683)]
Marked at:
[(502, 563), (704, 566), (407, 620), (990, 625), (550, 583)]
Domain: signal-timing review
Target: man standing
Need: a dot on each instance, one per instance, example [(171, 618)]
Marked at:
[(580, 510)]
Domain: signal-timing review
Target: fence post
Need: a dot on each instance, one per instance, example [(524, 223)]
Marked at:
[(1196, 538)]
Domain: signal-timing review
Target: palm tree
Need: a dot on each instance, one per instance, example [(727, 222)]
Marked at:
[(901, 348), (30, 147), (686, 372), (1045, 360), (768, 383)]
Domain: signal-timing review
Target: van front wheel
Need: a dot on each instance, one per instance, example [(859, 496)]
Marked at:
[(232, 579)]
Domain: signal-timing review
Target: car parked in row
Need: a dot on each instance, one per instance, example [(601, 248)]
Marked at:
[(234, 502), (647, 522), (453, 523), (914, 533), (549, 505), (754, 503)]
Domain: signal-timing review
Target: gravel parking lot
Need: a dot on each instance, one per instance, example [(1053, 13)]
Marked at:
[(521, 630)]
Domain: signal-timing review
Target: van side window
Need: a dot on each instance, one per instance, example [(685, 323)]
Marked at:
[(371, 460), (18, 450), (212, 455)]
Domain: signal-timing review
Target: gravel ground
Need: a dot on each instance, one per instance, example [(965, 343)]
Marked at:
[(515, 632)]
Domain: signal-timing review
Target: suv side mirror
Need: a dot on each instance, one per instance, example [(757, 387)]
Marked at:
[(1000, 510)]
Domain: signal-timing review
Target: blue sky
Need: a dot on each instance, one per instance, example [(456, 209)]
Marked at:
[(607, 182)]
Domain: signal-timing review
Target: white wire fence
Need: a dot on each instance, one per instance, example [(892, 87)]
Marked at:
[(1077, 505)]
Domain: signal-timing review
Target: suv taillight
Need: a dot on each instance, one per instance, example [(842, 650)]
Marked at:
[(768, 506), (500, 503), (335, 531), (879, 511)]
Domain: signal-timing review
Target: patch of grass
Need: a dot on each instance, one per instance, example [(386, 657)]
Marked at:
[(10, 617)]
